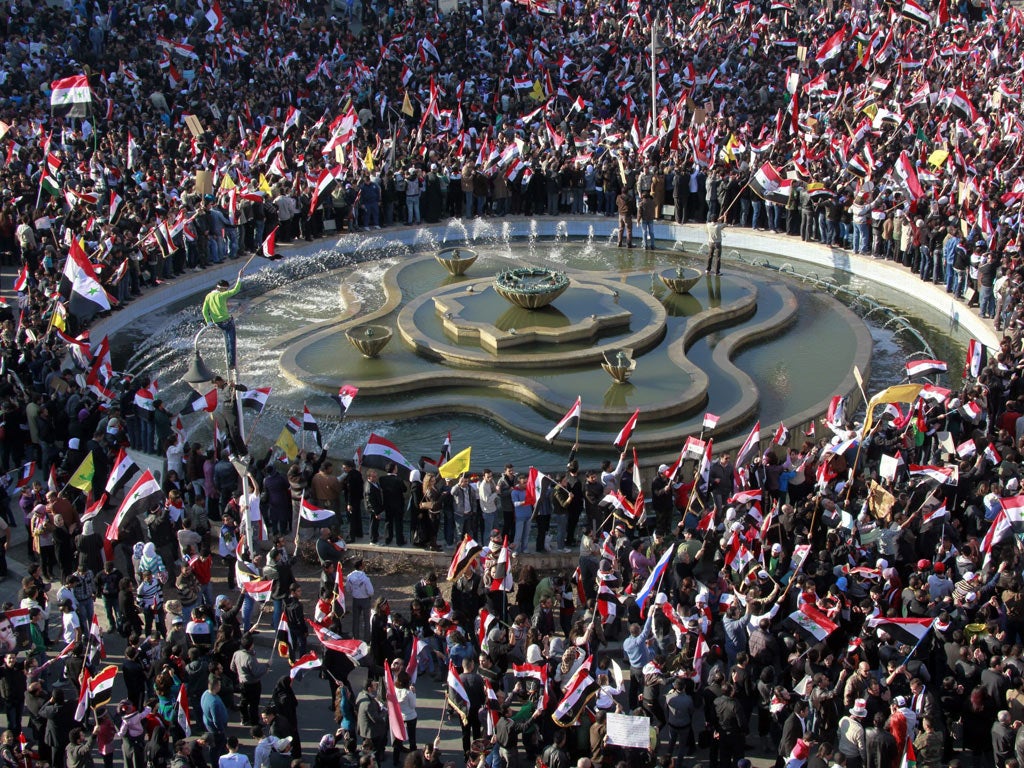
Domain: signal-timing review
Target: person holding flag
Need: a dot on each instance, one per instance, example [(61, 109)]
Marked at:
[(215, 313)]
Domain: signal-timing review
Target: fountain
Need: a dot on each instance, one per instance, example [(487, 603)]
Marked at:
[(531, 287), (369, 339), (456, 260), (681, 279), (619, 364)]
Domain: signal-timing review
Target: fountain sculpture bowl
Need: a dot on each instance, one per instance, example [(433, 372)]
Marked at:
[(680, 279), (369, 339), (456, 260), (619, 364), (531, 287)]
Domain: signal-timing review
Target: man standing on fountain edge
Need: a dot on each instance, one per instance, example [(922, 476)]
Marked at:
[(215, 312)]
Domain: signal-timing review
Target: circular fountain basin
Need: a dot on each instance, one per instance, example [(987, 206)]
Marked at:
[(456, 260), (680, 279), (531, 287), (369, 339)]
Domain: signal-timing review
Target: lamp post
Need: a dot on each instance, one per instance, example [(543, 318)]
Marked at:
[(201, 378)]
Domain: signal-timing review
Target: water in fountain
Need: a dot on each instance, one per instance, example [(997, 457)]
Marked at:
[(561, 231), (425, 239), (484, 231), (531, 239), (613, 236), (459, 226)]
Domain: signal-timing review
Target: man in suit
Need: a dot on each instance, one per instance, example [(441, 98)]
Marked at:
[(881, 745), (794, 727), (1003, 736), (393, 489)]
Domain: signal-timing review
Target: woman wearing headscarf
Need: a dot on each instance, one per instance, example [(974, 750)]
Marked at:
[(152, 562), (284, 701), (63, 547), (327, 754), (90, 547)]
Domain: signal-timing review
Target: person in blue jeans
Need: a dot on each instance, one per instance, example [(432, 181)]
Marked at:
[(524, 515)]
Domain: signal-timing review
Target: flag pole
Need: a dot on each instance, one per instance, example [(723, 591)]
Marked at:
[(298, 522), (916, 646)]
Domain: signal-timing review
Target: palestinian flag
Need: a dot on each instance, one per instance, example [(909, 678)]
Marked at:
[(578, 692), (810, 623), (466, 553), (907, 631)]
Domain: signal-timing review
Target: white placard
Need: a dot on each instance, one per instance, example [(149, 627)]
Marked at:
[(629, 731)]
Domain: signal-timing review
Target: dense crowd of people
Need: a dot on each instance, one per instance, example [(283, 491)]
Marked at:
[(854, 600)]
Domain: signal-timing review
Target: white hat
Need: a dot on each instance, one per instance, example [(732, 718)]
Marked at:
[(970, 597), (661, 599), (662, 469), (860, 708), (776, 548), (969, 576)]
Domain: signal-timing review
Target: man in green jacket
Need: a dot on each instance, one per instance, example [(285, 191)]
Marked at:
[(215, 312)]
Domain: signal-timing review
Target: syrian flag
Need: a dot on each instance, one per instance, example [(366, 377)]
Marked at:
[(737, 556), (631, 513), (97, 648), (831, 48), (345, 396), (707, 522), (144, 494), (764, 182), (379, 452), (915, 13), (749, 446), (83, 697), (184, 717), (967, 448), (339, 586), (69, 92), (925, 368), (538, 672), (907, 174), (627, 431), (258, 589), (977, 359), (970, 410), (207, 402), (710, 421), (781, 435), (607, 603), (949, 475), (309, 425), (537, 484), (992, 454), (810, 623), (283, 638), (647, 591), (395, 719), (115, 204), (19, 617), (503, 570), (81, 285), (309, 661), (939, 513), (836, 413), (356, 650), (255, 399), (573, 413), (21, 281), (907, 631), (412, 667), (457, 696), (704, 467), (578, 692), (144, 398), (311, 516), (270, 245), (465, 555), (28, 471)]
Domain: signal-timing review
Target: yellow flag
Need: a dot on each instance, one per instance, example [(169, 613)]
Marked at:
[(368, 160), (871, 110), (938, 157), (286, 443), (58, 319), (82, 479), (456, 465), (898, 393), (264, 185), (537, 93), (407, 106), (227, 183)]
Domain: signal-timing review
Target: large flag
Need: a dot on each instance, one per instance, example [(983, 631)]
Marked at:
[(653, 580), (379, 452), (831, 48), (466, 554), (916, 13), (764, 183), (537, 484), (627, 431), (907, 631), (456, 465), (810, 623), (578, 692), (395, 719), (572, 413), (81, 285), (311, 516), (71, 95)]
